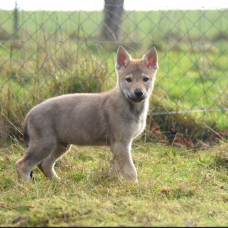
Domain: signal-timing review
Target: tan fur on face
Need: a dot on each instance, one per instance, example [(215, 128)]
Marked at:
[(113, 118)]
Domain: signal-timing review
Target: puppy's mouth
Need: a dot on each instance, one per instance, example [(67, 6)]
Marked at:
[(136, 99)]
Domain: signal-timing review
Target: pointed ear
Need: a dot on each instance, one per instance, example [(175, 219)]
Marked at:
[(122, 59), (151, 59)]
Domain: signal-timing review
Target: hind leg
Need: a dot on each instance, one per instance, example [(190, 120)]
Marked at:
[(36, 152), (47, 165)]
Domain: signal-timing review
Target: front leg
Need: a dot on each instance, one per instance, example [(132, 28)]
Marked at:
[(123, 162)]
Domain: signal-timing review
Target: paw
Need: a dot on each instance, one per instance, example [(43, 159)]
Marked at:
[(56, 177), (131, 177)]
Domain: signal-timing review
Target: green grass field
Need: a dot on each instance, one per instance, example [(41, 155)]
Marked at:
[(177, 187), (141, 26)]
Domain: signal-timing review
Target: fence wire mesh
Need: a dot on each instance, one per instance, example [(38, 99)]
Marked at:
[(48, 53)]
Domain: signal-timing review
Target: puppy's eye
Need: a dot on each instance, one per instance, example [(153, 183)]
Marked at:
[(145, 79), (128, 79)]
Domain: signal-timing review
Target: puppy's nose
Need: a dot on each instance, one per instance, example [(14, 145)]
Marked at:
[(138, 93)]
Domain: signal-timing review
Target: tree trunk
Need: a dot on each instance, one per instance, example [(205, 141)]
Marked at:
[(15, 13), (113, 12)]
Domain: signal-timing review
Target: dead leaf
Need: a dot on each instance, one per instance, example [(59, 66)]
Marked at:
[(157, 132), (203, 146), (164, 141), (224, 133), (185, 141), (176, 144), (155, 129), (190, 143), (154, 126), (173, 131), (178, 140), (20, 218), (211, 138)]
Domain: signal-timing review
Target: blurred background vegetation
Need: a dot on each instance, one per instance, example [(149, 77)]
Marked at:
[(49, 53)]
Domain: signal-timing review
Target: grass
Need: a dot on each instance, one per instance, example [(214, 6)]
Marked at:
[(138, 25), (177, 187)]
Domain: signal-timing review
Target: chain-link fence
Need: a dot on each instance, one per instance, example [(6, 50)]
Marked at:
[(46, 53)]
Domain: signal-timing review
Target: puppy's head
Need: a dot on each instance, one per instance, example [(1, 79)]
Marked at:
[(136, 76)]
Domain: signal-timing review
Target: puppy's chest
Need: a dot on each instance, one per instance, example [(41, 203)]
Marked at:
[(137, 127)]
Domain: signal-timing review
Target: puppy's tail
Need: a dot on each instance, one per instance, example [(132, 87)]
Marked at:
[(26, 135)]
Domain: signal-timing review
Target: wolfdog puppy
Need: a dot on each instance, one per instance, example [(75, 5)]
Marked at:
[(112, 118)]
